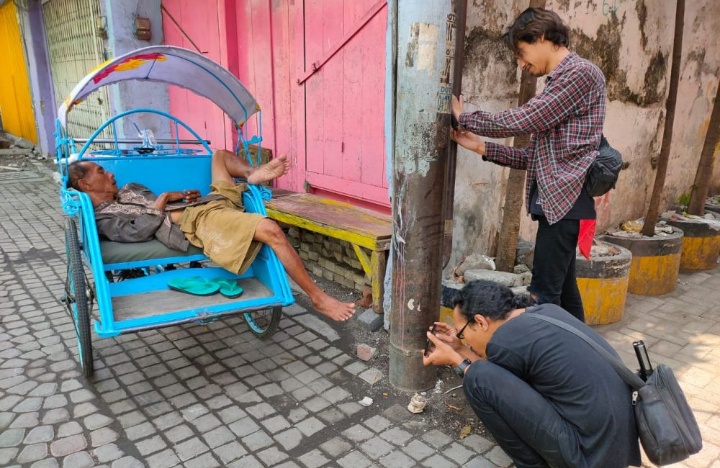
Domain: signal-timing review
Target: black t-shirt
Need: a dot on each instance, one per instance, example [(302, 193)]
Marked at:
[(584, 207), (582, 386)]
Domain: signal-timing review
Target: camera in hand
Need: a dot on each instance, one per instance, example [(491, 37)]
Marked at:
[(429, 344)]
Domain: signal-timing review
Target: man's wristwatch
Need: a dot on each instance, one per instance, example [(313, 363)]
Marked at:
[(460, 368)]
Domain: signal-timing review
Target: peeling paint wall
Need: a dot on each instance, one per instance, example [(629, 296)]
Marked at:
[(631, 41)]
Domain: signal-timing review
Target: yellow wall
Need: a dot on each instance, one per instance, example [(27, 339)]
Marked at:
[(15, 100)]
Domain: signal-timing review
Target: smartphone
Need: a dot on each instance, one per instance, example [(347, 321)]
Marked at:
[(428, 343), (454, 122)]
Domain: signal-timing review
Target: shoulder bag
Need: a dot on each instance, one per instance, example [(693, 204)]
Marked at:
[(666, 425)]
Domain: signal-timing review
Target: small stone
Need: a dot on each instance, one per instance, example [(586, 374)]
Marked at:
[(365, 352)]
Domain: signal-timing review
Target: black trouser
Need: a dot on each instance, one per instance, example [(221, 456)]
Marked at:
[(553, 275), (523, 423)]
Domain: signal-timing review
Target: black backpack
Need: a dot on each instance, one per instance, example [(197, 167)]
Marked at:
[(603, 173)]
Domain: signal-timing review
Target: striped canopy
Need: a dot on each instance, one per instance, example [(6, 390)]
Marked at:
[(173, 65)]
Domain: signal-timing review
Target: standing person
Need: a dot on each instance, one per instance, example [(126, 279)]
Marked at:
[(547, 397), (565, 121)]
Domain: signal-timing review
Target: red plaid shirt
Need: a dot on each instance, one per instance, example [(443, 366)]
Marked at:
[(566, 122)]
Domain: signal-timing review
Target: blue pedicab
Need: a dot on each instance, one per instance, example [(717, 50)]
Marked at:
[(145, 301)]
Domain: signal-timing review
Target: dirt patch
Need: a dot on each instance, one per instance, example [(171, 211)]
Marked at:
[(447, 409)]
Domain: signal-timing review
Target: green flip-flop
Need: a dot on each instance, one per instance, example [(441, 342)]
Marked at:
[(229, 288), (196, 285)]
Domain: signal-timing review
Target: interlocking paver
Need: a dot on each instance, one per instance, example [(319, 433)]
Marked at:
[(192, 396)]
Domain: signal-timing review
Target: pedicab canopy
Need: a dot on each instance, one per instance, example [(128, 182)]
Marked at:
[(172, 65)]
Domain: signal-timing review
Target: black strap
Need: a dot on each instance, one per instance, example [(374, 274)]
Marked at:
[(626, 374)]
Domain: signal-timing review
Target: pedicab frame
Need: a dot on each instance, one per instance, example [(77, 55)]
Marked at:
[(266, 283)]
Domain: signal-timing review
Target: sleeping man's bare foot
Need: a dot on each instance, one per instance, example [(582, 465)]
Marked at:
[(336, 310), (269, 171)]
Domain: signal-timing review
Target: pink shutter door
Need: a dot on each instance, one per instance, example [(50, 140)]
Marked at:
[(200, 22), (344, 102)]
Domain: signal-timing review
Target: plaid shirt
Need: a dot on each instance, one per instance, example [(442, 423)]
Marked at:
[(565, 121)]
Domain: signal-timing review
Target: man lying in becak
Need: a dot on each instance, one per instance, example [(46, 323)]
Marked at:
[(216, 223)]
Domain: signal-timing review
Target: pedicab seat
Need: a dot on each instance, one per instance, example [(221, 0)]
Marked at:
[(123, 252)]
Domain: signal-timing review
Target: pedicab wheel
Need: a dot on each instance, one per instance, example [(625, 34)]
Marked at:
[(264, 322), (76, 297)]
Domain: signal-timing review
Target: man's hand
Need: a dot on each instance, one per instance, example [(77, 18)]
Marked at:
[(468, 140), (442, 355), (448, 334), (456, 104), (187, 196), (167, 197)]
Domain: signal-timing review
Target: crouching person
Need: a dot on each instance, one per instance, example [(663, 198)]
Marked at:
[(546, 396), (217, 222)]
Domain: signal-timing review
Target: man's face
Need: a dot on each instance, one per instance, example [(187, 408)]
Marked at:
[(533, 58), (97, 180)]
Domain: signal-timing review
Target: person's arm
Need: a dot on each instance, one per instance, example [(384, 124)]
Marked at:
[(516, 158), (124, 228), (188, 196), (555, 104), (448, 334), (445, 355)]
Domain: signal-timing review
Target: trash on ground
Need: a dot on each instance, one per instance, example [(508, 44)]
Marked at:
[(465, 431), (417, 404), (367, 401)]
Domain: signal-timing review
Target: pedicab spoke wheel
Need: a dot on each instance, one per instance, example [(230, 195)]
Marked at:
[(263, 323), (77, 297)]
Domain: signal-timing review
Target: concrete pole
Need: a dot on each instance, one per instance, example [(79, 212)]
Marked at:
[(425, 51), (128, 95)]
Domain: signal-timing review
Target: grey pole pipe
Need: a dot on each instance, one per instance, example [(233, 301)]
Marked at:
[(425, 51)]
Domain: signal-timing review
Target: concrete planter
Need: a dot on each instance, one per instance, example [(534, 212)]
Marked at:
[(655, 262), (603, 282), (701, 244)]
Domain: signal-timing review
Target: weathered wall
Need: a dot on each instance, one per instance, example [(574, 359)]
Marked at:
[(633, 47)]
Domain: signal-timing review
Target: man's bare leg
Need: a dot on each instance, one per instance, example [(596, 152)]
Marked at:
[(225, 166), (270, 233)]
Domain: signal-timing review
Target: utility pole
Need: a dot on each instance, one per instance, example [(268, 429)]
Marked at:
[(425, 51)]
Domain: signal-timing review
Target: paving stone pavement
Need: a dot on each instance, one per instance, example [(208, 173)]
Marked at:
[(198, 396)]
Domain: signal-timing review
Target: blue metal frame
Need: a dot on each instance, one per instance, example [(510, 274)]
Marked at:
[(176, 169)]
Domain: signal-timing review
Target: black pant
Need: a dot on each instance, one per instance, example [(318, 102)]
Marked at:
[(521, 420), (553, 275)]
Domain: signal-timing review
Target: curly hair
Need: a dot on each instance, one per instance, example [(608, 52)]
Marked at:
[(489, 299), (536, 23)]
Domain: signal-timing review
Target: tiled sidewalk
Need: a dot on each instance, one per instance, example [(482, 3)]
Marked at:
[(203, 397)]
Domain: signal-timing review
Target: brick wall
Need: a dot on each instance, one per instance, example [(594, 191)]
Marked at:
[(330, 258)]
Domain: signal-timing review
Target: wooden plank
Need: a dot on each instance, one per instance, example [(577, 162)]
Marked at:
[(164, 302), (331, 215)]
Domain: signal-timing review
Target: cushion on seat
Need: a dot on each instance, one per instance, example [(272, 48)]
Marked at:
[(122, 252)]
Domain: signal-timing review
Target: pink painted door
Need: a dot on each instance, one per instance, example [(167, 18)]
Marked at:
[(329, 119), (198, 26), (344, 80)]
